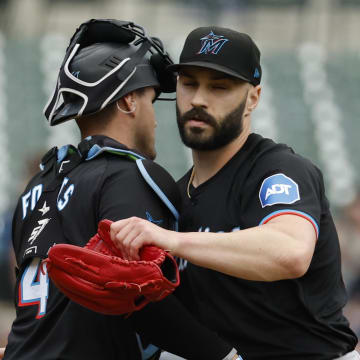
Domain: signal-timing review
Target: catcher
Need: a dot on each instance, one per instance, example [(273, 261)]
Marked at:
[(111, 74)]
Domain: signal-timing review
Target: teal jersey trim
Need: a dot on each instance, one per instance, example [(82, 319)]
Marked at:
[(97, 150)]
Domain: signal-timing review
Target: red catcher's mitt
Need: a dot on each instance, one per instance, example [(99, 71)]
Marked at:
[(97, 277)]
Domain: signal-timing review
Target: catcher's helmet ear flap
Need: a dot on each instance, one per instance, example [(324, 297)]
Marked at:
[(105, 60)]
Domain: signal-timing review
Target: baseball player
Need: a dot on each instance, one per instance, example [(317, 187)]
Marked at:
[(260, 252), (111, 74)]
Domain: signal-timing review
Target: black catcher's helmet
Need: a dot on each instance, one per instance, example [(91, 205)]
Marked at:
[(105, 60)]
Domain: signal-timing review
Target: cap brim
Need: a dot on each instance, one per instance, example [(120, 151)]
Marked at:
[(207, 65)]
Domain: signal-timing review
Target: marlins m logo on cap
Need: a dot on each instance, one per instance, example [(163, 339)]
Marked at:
[(212, 44)]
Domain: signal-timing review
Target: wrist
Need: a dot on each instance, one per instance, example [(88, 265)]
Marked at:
[(175, 243)]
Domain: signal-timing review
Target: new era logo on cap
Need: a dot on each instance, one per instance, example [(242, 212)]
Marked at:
[(212, 44), (236, 53)]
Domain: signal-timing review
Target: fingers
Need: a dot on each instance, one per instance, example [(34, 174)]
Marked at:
[(122, 231), (130, 235), (137, 242), (2, 351), (128, 240), (127, 235)]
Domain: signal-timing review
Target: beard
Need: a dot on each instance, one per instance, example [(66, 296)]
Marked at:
[(224, 131)]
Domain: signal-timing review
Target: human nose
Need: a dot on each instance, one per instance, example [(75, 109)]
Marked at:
[(199, 98)]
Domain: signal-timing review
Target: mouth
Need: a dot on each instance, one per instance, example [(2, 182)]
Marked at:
[(197, 123), (197, 118)]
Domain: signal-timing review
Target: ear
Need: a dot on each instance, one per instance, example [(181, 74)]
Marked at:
[(252, 99), (128, 103)]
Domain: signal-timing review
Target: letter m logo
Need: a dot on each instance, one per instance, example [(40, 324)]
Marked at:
[(212, 44)]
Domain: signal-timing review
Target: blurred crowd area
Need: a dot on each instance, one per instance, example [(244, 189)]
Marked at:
[(311, 82)]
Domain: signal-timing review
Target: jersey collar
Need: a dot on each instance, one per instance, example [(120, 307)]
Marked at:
[(92, 146)]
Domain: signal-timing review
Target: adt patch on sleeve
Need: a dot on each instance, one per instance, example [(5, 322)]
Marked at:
[(278, 189)]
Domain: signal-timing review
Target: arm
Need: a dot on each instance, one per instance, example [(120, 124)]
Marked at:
[(281, 249)]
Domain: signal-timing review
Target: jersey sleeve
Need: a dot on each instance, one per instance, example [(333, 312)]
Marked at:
[(282, 183)]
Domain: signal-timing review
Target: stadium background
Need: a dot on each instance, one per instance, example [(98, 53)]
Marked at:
[(310, 100)]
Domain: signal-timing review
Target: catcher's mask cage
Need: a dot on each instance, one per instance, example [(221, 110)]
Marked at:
[(105, 60)]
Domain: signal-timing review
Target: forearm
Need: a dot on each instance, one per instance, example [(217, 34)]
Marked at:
[(281, 249), (264, 253), (168, 325)]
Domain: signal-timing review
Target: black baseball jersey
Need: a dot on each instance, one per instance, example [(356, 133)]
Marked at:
[(288, 319), (78, 187)]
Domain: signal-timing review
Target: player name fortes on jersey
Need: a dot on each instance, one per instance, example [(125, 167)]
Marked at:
[(278, 189)]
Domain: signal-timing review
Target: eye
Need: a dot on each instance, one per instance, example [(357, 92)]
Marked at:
[(187, 81), (219, 85)]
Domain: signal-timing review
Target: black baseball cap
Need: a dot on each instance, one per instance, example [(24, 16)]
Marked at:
[(224, 50)]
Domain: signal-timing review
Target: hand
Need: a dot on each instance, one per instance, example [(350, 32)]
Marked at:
[(2, 351), (130, 235)]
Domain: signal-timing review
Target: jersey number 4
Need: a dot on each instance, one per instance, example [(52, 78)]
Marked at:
[(34, 287)]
